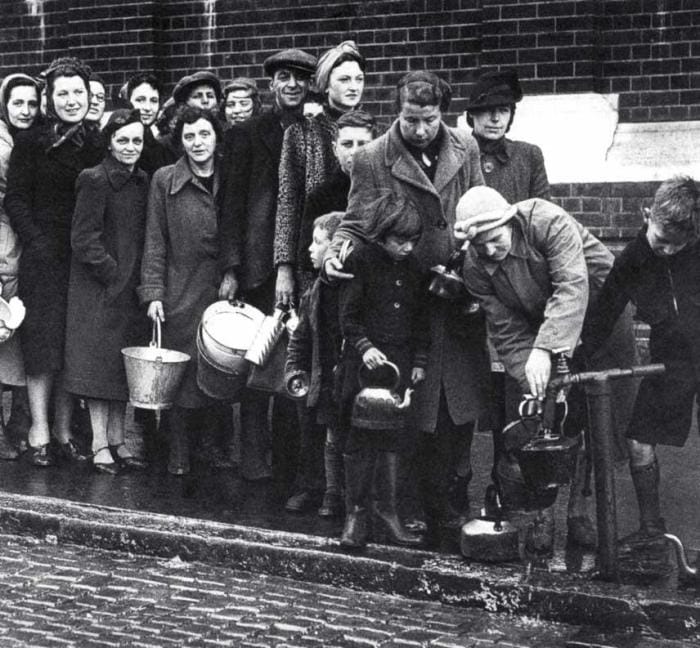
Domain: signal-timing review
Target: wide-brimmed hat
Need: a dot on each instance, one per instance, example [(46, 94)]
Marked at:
[(479, 210), (203, 77), (495, 88), (294, 59)]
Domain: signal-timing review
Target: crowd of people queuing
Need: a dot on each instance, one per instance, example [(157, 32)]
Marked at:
[(164, 205)]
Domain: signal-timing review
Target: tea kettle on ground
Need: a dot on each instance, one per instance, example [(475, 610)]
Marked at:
[(378, 406)]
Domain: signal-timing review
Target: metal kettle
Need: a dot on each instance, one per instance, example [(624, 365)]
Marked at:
[(378, 406), (447, 283), (489, 537)]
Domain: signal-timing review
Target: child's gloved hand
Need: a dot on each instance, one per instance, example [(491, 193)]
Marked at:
[(373, 357)]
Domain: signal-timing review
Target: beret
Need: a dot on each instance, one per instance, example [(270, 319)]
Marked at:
[(495, 88), (197, 78)]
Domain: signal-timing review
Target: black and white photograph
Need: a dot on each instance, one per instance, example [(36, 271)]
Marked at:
[(349, 323)]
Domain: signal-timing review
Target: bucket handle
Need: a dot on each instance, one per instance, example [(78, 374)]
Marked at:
[(155, 334)]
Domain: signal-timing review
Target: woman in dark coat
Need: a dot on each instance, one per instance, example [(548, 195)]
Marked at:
[(40, 199), (109, 224), (180, 275)]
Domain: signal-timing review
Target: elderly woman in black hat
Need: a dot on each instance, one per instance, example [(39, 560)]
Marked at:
[(40, 200), (241, 101), (109, 224), (308, 159), (514, 169)]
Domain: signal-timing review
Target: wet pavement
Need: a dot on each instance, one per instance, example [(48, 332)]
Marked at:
[(221, 495), (67, 595)]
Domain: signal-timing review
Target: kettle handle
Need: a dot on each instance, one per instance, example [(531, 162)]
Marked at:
[(155, 334), (364, 378)]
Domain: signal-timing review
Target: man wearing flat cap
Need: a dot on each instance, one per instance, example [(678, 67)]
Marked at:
[(247, 222), (535, 270), (422, 159)]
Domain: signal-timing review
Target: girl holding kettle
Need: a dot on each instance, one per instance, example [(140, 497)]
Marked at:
[(385, 327)]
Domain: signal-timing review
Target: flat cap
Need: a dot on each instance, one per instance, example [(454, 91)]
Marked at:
[(495, 88), (295, 59), (185, 84)]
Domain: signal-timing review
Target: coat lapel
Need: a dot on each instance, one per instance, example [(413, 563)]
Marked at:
[(402, 164), (450, 159)]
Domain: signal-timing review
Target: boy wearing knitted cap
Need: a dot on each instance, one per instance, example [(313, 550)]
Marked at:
[(535, 269)]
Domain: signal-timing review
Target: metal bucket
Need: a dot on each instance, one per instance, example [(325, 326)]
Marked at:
[(153, 374), (215, 381)]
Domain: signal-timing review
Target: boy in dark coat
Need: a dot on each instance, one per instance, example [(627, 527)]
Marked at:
[(659, 271), (312, 355)]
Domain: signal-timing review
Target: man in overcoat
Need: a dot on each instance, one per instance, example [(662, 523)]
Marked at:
[(433, 165), (247, 219)]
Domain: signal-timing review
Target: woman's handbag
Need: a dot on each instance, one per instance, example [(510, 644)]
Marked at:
[(268, 353)]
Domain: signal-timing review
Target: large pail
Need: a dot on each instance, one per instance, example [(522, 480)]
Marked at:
[(153, 373), (215, 381)]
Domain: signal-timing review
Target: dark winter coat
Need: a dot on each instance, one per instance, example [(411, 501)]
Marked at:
[(154, 155), (516, 170), (249, 199), (330, 196), (666, 293), (104, 315), (180, 262), (457, 364), (40, 200), (314, 346)]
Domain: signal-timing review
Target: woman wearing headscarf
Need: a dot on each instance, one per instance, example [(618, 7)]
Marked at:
[(107, 237), (180, 274), (19, 110), (308, 159), (40, 199)]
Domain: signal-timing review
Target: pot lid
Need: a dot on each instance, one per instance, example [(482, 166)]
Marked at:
[(233, 325)]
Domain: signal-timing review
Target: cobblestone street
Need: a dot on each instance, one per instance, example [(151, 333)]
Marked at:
[(65, 595)]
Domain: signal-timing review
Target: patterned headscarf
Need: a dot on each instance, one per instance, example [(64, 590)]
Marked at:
[(328, 60)]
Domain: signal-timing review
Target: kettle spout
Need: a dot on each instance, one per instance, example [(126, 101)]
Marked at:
[(406, 402), (680, 553)]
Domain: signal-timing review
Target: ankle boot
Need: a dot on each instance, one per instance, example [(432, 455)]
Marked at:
[(385, 505), (178, 442), (359, 467), (332, 501), (646, 486)]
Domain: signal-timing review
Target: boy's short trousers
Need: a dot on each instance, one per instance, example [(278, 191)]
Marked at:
[(664, 407)]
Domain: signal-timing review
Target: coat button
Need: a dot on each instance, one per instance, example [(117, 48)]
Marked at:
[(399, 282), (397, 305), (441, 224)]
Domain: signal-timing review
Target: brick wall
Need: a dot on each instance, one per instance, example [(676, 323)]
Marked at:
[(646, 50)]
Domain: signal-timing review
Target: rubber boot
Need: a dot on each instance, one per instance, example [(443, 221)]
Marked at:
[(359, 467), (332, 505), (651, 524), (20, 419), (254, 466), (178, 442), (385, 509)]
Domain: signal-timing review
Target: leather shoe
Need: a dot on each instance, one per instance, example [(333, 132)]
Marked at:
[(581, 532), (128, 462), (41, 456), (105, 467), (70, 451)]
